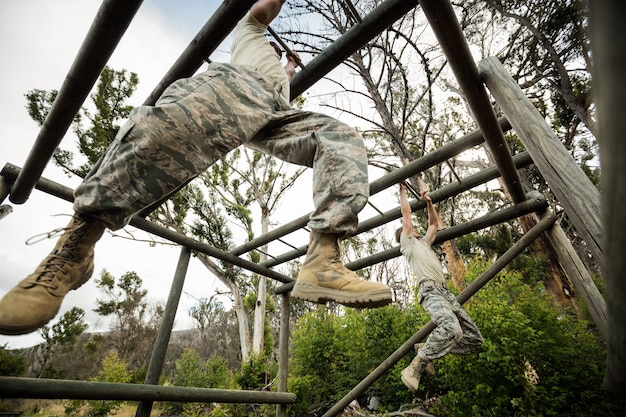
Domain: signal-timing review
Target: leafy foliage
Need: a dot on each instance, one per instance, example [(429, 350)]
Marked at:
[(12, 363), (191, 371), (114, 369), (134, 322), (536, 360), (330, 353), (59, 340), (113, 88)]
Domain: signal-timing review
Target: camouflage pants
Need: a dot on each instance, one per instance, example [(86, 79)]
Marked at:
[(198, 120), (455, 332)]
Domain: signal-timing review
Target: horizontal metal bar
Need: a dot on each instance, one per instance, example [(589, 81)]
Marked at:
[(521, 160), (14, 387), (447, 151)]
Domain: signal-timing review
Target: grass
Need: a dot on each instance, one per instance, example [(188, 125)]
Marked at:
[(56, 408)]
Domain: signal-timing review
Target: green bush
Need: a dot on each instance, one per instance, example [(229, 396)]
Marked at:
[(12, 363), (330, 354), (256, 373), (538, 359), (192, 371), (114, 369)]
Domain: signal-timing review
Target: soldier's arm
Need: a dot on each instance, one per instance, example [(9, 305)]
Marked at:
[(264, 11)]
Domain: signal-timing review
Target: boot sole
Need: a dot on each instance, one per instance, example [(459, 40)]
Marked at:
[(321, 295), (17, 331)]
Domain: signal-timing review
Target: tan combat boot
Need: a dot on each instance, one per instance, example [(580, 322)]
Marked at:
[(36, 299), (324, 277), (411, 375)]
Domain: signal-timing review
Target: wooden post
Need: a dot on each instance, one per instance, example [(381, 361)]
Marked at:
[(567, 180), (579, 276), (155, 367), (609, 56)]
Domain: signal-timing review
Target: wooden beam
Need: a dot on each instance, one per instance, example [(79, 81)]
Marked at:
[(568, 182), (580, 278)]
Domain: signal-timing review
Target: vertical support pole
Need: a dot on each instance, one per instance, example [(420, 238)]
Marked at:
[(165, 330), (283, 353), (606, 22)]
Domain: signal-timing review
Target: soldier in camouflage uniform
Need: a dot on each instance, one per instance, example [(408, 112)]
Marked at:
[(455, 332), (195, 122)]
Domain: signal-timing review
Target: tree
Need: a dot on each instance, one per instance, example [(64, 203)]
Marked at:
[(114, 369), (210, 319), (192, 371), (241, 180), (59, 339), (547, 49), (12, 363), (113, 89), (134, 323)]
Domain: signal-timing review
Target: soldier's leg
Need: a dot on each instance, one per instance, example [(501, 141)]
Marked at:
[(472, 339), (340, 190), (160, 148), (195, 122), (444, 338)]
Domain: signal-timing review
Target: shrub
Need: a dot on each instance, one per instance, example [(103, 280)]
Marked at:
[(537, 359)]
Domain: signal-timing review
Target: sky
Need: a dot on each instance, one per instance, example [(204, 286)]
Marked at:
[(39, 41)]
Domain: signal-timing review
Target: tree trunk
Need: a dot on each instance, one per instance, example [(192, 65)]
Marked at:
[(242, 319), (557, 283), (240, 312), (261, 295)]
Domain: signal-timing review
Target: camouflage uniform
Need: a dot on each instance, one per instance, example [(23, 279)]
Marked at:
[(198, 120), (455, 332)]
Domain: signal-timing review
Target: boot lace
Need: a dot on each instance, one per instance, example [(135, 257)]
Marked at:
[(48, 277), (74, 232)]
